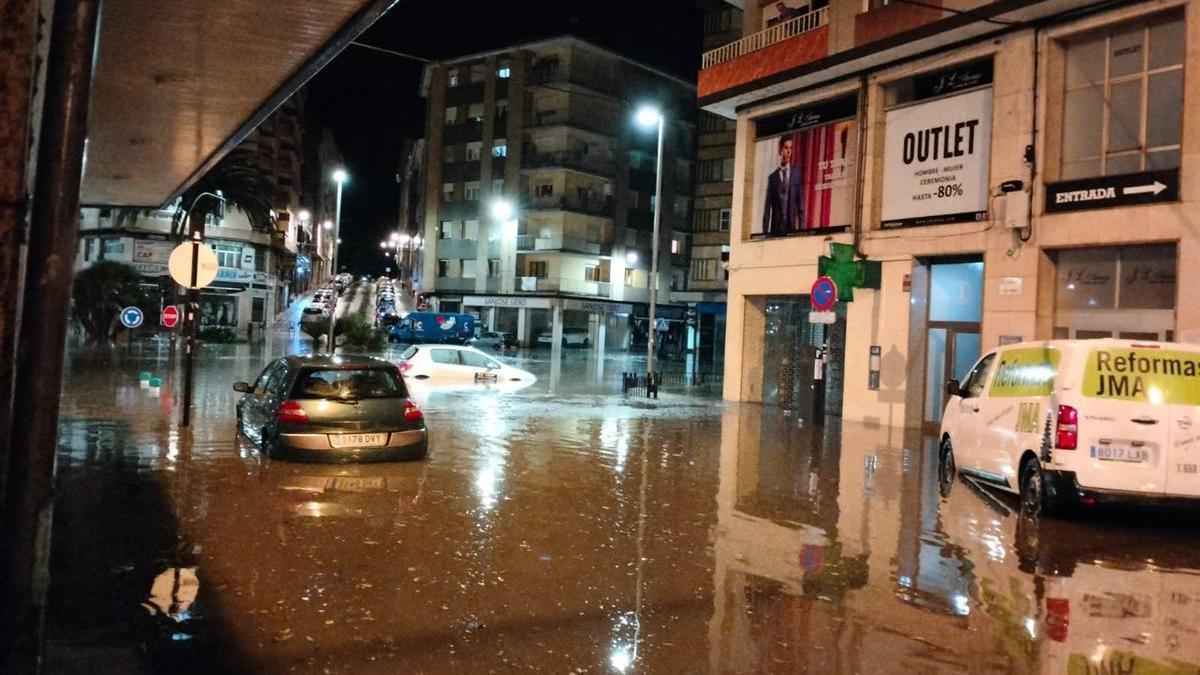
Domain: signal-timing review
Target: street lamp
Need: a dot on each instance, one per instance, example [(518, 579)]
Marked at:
[(505, 213), (648, 116), (340, 177)]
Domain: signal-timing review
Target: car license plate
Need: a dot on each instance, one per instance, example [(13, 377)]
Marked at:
[(1118, 453), (355, 483), (357, 440)]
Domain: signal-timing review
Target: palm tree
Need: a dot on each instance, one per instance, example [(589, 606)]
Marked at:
[(100, 292)]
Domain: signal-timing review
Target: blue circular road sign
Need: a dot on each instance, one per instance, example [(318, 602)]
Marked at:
[(824, 294), (131, 317)]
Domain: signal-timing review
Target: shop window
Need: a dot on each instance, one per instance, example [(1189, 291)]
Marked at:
[(1123, 99), (1135, 277)]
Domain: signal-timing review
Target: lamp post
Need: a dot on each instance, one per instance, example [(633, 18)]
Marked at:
[(506, 214), (339, 177), (646, 117)]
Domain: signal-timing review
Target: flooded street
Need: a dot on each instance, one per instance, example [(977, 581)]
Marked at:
[(565, 528)]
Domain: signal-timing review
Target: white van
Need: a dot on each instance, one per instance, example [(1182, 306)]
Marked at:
[(1067, 422)]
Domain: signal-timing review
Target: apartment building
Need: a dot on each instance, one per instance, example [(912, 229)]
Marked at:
[(549, 128), (260, 272), (970, 173)]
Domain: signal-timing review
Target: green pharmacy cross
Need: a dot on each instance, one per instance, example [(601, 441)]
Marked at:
[(847, 272)]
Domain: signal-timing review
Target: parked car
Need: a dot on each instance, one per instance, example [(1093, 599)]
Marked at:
[(339, 408), (493, 340), (1068, 422), (315, 308), (571, 337), (458, 363)]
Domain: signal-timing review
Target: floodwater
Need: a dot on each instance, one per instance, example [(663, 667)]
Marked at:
[(568, 529)]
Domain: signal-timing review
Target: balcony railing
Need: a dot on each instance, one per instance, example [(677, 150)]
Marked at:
[(455, 284), (599, 206), (529, 242), (570, 159), (765, 38), (599, 289), (456, 248)]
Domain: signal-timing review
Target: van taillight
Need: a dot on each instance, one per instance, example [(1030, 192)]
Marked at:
[(1066, 435), (291, 411), (411, 412)]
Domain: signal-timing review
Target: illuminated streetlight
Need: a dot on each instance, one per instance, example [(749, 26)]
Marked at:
[(502, 210), (649, 116), (329, 224), (304, 214), (631, 258)]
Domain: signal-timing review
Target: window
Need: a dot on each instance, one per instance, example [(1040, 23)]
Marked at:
[(447, 230), (447, 192), (504, 71), (452, 77), (446, 356), (475, 112), (498, 186), (227, 256), (451, 116), (628, 276), (704, 269), (342, 383), (472, 191), (676, 246), (477, 360), (591, 273), (544, 190), (1123, 99), (727, 169), (710, 123), (443, 267), (494, 268), (537, 268), (501, 109), (470, 229), (718, 21), (500, 147), (477, 72), (876, 4), (715, 170), (473, 150), (724, 218), (972, 385), (87, 249)]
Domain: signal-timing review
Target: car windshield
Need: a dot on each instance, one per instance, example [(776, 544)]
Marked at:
[(348, 383)]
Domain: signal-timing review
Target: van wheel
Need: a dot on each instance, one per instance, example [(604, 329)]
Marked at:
[(947, 469), (1033, 490)]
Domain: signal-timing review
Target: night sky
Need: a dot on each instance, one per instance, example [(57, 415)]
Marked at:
[(371, 101)]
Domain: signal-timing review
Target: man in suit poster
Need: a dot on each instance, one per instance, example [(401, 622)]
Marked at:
[(783, 210)]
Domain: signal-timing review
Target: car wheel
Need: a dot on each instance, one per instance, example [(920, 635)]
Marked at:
[(1033, 490), (947, 469)]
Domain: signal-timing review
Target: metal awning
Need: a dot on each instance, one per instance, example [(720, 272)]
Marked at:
[(178, 83)]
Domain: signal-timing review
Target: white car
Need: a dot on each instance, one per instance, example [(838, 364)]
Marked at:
[(571, 337), (455, 363), (1067, 422)]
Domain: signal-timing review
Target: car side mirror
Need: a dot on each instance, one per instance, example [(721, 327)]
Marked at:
[(243, 387), (953, 389)]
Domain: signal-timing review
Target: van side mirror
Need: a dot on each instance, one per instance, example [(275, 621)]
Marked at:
[(243, 387), (953, 389)]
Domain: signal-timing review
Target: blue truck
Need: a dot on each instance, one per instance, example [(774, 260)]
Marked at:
[(430, 328)]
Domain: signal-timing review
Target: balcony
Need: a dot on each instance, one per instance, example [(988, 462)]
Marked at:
[(456, 248), (599, 289), (595, 207), (779, 48), (570, 159), (529, 242), (452, 284)]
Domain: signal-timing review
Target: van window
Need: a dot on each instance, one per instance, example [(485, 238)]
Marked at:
[(972, 386), (1148, 375), (1025, 372)]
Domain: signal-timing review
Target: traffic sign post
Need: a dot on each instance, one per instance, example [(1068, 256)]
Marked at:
[(194, 266), (170, 316), (824, 294)]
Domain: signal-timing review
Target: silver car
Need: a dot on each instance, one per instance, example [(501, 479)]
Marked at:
[(331, 409)]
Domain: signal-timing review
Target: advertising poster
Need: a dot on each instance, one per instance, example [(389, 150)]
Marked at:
[(805, 169), (937, 159)]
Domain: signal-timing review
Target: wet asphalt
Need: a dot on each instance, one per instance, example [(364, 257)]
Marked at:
[(569, 528)]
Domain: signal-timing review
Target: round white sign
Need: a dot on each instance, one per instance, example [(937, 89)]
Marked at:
[(180, 265)]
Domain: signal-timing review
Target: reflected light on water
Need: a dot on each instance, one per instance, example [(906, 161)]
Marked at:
[(620, 658)]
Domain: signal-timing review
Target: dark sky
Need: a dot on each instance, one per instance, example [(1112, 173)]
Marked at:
[(371, 100)]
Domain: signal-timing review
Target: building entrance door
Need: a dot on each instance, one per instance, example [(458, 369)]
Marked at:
[(952, 332), (791, 348)]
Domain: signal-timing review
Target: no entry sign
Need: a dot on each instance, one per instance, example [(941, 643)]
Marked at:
[(170, 316), (824, 294)]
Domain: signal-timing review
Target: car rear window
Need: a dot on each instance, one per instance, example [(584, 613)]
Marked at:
[(410, 352), (348, 383)]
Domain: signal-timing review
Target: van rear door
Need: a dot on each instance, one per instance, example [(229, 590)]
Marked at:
[(1123, 418), (1183, 457)]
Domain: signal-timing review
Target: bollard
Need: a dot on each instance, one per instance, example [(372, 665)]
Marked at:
[(155, 386), (144, 380)]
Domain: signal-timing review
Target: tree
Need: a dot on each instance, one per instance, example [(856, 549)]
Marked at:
[(101, 291)]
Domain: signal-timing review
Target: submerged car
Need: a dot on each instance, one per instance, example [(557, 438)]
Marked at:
[(331, 408), (571, 337), (457, 363), (493, 340)]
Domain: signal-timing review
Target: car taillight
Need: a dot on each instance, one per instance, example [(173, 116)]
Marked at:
[(1066, 435), (411, 412), (1058, 619), (291, 411), (405, 366)]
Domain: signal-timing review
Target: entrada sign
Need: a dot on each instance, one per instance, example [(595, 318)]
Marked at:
[(1129, 189)]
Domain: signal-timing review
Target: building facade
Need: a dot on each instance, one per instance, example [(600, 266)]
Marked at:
[(259, 272), (549, 128), (972, 173)]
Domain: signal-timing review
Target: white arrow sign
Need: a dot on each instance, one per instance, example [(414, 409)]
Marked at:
[(1154, 188)]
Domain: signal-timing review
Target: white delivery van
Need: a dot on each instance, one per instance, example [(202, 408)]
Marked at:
[(1067, 422)]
